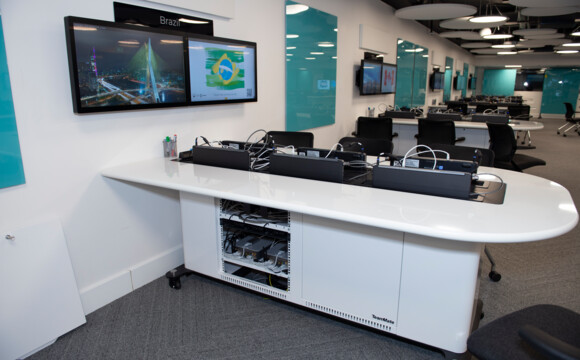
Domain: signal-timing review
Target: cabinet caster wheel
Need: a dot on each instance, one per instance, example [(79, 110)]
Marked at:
[(481, 315), (494, 276), (175, 284), (564, 135)]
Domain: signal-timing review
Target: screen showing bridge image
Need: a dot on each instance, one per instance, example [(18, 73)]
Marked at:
[(116, 67), (221, 70)]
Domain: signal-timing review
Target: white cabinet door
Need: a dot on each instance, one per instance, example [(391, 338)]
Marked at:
[(39, 299)]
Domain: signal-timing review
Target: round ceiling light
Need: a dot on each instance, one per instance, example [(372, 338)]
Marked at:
[(435, 11), (549, 11), (498, 36), (543, 3), (492, 19), (463, 23)]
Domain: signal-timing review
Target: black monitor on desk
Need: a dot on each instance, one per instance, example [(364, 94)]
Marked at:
[(444, 116), (457, 106), (305, 167)]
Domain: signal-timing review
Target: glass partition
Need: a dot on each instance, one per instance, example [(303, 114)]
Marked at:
[(412, 62), (498, 82), (311, 49), (448, 79), (560, 86)]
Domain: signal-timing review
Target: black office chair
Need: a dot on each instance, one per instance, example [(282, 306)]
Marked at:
[(536, 332), (437, 132), (504, 145), (294, 138), (373, 147), (570, 119), (375, 128)]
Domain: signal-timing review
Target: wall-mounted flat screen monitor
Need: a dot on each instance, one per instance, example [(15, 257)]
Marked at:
[(370, 77), (389, 79), (472, 83), (437, 80), (124, 67), (221, 70)]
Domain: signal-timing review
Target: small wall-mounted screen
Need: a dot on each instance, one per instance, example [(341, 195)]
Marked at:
[(221, 70), (437, 80), (370, 77), (389, 79)]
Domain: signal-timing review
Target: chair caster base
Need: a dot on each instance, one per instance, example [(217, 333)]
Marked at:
[(494, 276)]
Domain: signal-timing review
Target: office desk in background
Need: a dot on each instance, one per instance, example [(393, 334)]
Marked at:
[(475, 133), (402, 263)]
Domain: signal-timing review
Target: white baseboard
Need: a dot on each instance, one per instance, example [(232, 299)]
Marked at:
[(112, 288), (152, 269), (105, 291)]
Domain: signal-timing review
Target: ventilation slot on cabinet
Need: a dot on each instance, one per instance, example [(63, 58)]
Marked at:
[(253, 286), (357, 319)]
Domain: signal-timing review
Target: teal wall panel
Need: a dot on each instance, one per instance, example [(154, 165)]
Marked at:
[(412, 62), (448, 79), (310, 69), (498, 82), (560, 85), (11, 169)]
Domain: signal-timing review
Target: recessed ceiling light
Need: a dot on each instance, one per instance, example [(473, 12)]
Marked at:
[(567, 51), (513, 66), (507, 52), (503, 46)]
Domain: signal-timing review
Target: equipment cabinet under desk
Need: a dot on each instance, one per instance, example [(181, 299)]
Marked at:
[(402, 263)]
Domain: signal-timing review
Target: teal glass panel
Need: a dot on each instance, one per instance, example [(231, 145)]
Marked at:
[(560, 85), (12, 171), (311, 48), (448, 79), (500, 82), (465, 78), (412, 61), (405, 65), (420, 76)]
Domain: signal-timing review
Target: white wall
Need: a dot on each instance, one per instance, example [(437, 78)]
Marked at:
[(121, 236)]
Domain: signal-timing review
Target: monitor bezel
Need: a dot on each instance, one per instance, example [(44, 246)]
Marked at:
[(73, 62)]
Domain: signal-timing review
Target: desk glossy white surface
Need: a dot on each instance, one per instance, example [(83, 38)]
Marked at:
[(534, 208), (401, 263)]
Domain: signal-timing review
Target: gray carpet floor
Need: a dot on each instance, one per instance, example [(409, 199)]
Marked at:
[(211, 320)]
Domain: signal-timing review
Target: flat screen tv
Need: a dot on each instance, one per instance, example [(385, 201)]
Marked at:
[(116, 66), (221, 70), (370, 77), (389, 79), (437, 80)]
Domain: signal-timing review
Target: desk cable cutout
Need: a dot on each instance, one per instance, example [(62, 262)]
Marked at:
[(475, 177)]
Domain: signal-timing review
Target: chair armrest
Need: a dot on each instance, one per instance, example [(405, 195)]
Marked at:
[(460, 139), (548, 345), (395, 135)]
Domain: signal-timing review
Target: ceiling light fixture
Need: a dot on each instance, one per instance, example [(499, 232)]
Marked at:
[(505, 45), (513, 66), (484, 32), (488, 17), (571, 44), (498, 36), (567, 52), (507, 52)]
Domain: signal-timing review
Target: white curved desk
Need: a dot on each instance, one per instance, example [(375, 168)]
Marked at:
[(402, 263), (475, 133)]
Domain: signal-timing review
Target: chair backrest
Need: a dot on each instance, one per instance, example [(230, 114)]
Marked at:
[(479, 108), (444, 116), (374, 128), (373, 147), (436, 132), (485, 157), (569, 110), (398, 114), (294, 138), (502, 141), (496, 119)]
